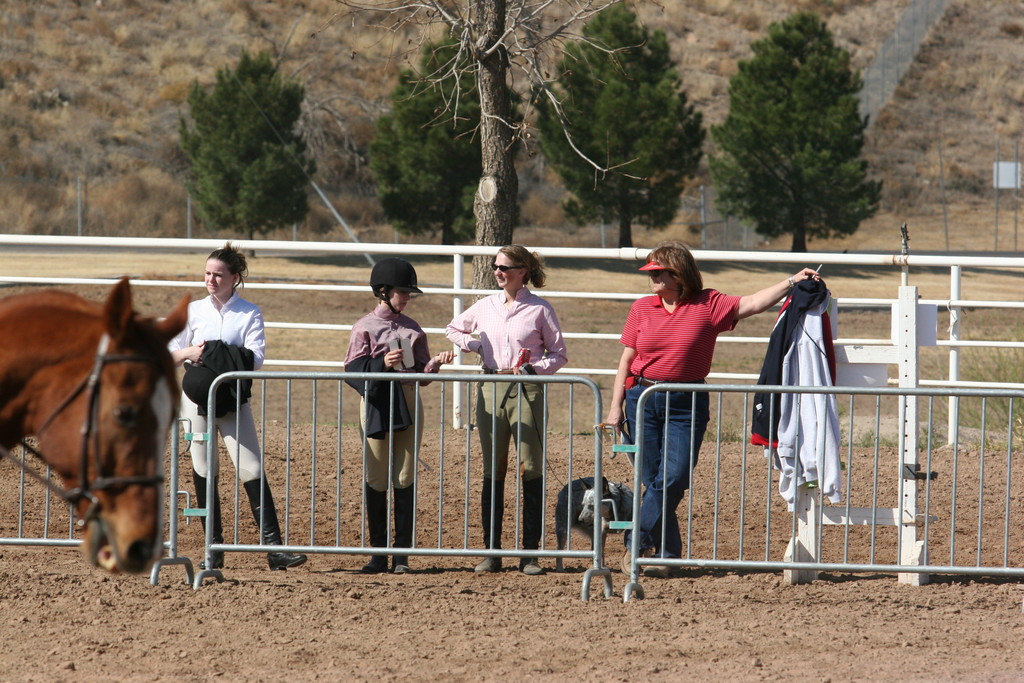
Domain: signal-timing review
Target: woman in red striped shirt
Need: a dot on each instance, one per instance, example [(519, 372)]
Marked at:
[(670, 337)]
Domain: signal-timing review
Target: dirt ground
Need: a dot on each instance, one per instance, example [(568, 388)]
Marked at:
[(64, 621)]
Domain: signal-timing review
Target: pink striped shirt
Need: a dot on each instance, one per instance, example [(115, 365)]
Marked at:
[(677, 346), (529, 323)]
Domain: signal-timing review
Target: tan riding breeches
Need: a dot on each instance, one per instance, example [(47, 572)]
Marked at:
[(518, 420), (402, 444)]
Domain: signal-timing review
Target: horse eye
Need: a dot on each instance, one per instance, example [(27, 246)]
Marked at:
[(126, 415)]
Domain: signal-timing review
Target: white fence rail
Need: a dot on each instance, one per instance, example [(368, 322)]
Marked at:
[(898, 264)]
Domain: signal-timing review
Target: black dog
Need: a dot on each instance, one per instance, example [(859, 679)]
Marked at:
[(577, 504)]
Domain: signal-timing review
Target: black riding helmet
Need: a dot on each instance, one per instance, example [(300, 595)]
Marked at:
[(393, 273)]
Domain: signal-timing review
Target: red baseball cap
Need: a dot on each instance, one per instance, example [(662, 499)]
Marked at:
[(653, 265)]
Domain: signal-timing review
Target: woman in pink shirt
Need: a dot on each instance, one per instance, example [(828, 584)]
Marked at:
[(670, 337), (518, 334)]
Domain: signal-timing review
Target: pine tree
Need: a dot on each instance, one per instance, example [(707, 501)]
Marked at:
[(248, 170), (789, 149), (425, 159), (624, 109)]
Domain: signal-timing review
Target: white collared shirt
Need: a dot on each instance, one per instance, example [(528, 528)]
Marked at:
[(238, 322)]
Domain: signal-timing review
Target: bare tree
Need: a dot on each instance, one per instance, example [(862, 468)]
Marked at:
[(504, 38)]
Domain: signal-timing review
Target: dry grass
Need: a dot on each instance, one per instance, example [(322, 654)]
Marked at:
[(96, 90)]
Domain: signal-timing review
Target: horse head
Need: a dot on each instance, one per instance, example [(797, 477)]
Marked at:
[(114, 434)]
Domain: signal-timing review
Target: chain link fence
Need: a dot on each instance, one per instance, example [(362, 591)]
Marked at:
[(897, 54)]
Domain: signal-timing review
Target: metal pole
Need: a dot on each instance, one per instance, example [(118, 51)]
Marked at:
[(703, 220), (942, 188), (338, 217), (78, 194), (905, 250), (1016, 188), (188, 216), (995, 191), (460, 394), (955, 292)]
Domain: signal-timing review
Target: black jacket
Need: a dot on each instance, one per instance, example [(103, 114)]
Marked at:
[(382, 417), (218, 358)]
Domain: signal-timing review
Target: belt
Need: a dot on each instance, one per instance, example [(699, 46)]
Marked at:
[(493, 371), (646, 382)]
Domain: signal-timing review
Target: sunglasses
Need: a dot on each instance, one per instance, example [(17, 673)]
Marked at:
[(660, 272), (504, 269)]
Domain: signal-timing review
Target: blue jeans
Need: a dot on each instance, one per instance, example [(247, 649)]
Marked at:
[(666, 461)]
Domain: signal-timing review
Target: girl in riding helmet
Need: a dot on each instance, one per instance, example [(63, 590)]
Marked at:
[(379, 343)]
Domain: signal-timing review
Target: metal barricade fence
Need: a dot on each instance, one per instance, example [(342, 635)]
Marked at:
[(174, 493), (41, 517), (314, 455), (911, 505)]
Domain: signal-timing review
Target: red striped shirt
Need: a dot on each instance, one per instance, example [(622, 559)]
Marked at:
[(677, 346)]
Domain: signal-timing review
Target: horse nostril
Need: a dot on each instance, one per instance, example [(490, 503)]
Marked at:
[(140, 553), (126, 415)]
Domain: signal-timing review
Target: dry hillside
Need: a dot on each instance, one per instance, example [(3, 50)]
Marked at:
[(91, 93)]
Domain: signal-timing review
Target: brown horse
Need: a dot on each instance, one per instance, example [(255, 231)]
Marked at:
[(96, 386)]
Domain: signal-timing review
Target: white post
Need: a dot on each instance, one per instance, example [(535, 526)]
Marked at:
[(911, 549), (955, 292), (459, 389), (803, 547)]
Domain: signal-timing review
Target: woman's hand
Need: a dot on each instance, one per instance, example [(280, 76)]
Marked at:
[(445, 357), (806, 274), (192, 354), (614, 418)]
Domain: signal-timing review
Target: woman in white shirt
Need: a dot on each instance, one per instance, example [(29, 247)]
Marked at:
[(229, 318)]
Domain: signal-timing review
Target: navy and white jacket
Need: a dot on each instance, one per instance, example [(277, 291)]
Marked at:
[(802, 431)]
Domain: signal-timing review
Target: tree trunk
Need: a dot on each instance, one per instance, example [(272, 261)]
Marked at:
[(625, 230), (494, 205), (799, 239)]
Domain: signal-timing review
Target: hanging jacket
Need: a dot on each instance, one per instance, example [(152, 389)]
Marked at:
[(806, 295), (382, 416), (804, 427)]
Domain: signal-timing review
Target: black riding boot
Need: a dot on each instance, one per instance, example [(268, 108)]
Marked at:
[(492, 514), (270, 530), (217, 556), (377, 521), (405, 505), (533, 511)]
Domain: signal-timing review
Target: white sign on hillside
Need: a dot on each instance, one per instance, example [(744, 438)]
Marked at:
[(1006, 175)]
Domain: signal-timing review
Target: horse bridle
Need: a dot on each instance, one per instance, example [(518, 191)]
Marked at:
[(86, 488)]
